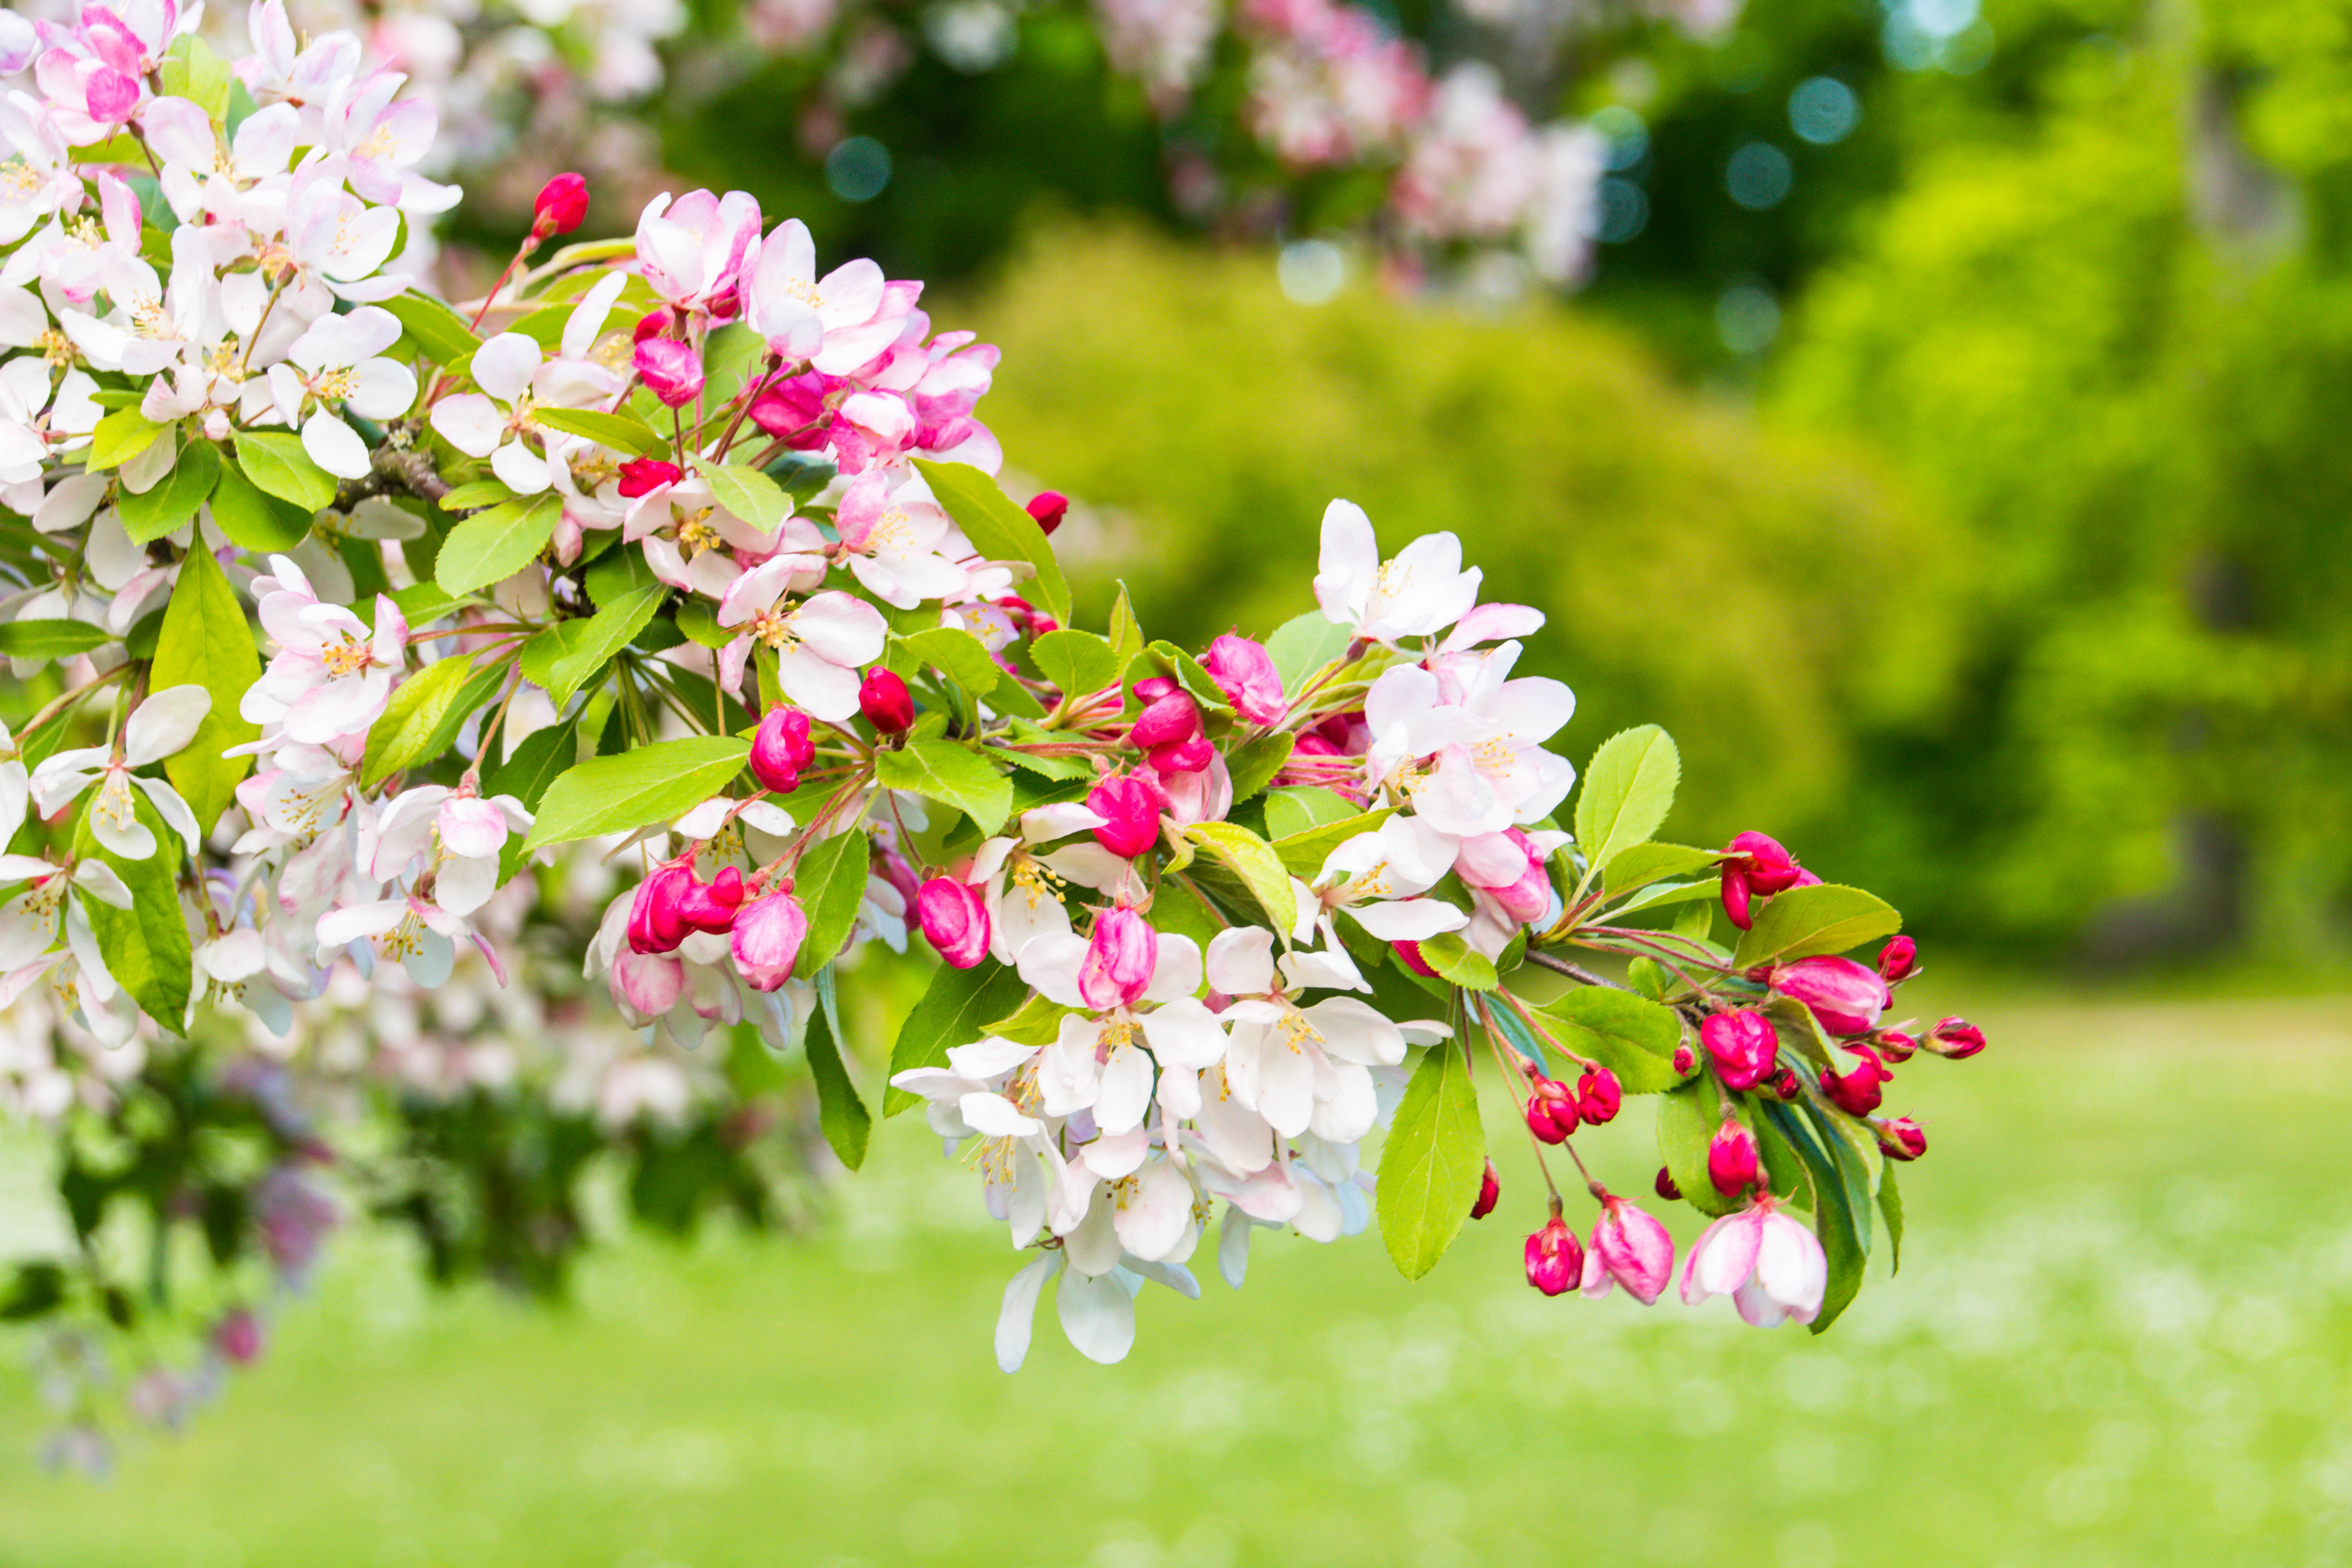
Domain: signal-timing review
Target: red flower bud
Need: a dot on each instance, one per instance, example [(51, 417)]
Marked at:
[(1686, 1063), (954, 917), (1120, 956), (723, 305), (1901, 1138), (672, 904), (1598, 1096), (1129, 806), (1664, 1185), (237, 1336), (671, 369), (1732, 1163), (1554, 1259), (1049, 507), (1956, 1039), (1770, 868), (651, 324), (1898, 960), (1859, 1092), (1844, 996), (781, 749), (1736, 898), (1490, 1192), (562, 206), (1540, 1121), (1186, 756), (1409, 954), (1244, 672), (1744, 1047), (883, 697), (1152, 688), (643, 476), (1165, 721), (1895, 1046)]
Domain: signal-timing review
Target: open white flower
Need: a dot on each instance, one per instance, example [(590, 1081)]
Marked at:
[(158, 728), (338, 361), (1423, 591), (1302, 1068), (492, 423)]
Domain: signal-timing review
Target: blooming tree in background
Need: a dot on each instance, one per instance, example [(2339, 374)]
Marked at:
[(460, 743)]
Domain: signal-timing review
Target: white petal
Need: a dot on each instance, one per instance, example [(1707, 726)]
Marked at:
[(163, 725), (1099, 1315), (1014, 1318)]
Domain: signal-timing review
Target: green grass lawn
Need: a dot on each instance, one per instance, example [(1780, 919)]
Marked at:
[(2122, 1335)]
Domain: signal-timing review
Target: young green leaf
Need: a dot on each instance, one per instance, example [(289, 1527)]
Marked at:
[(1805, 922), (536, 762), (146, 946), (403, 736), (621, 432), (1078, 663), (204, 640), (747, 492), (51, 638), (192, 70), (964, 657), (1632, 1038), (632, 789), (253, 519), (175, 497), (1687, 1118), (951, 774), (1628, 790), (1126, 633), (599, 637), (998, 529), (1253, 860), (1253, 763), (1303, 853), (847, 1123), (120, 436), (1844, 1236), (278, 465), (493, 545), (831, 884), (1036, 1022), (1890, 1205), (1432, 1163), (956, 1011), (1301, 807), (440, 331), (1303, 645), (1454, 959), (1640, 864)]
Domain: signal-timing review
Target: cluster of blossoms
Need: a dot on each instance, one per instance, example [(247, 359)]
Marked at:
[(1327, 85), (657, 620)]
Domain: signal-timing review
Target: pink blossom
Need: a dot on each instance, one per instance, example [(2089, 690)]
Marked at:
[(1554, 1259), (671, 369), (333, 674), (1847, 998), (1120, 959), (696, 248), (1731, 1159), (1629, 1248), (1744, 1046), (1131, 806), (1244, 672), (954, 917), (781, 749), (1771, 1266), (767, 939)]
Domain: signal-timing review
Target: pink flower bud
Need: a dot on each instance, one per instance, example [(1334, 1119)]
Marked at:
[(1859, 1092), (1664, 1185), (643, 476), (1554, 1259), (656, 923), (1515, 877), (1186, 756), (1686, 1063), (1244, 672), (955, 920), (1956, 1039), (1898, 960), (1129, 806), (1731, 1159), (111, 95), (1901, 1138), (1598, 1096), (1785, 1084), (653, 323), (1120, 957), (237, 1337), (767, 940), (1769, 868), (1736, 896), (1540, 1120), (780, 748), (1049, 507), (1490, 1192), (562, 205), (671, 369), (724, 304), (1895, 1046), (1844, 996), (1744, 1047), (885, 700), (1152, 688), (1409, 954), (1165, 721), (1633, 1250)]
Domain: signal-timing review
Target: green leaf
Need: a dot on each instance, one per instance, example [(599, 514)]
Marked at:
[(277, 466), (730, 356), (537, 761), (1890, 1205), (999, 530), (1834, 1220), (1126, 633), (621, 432), (204, 641), (1036, 1022), (45, 638), (1628, 790), (1295, 810), (698, 622), (955, 1011), (747, 492), (1254, 764), (253, 519), (146, 946), (1079, 663), (475, 494), (1687, 1118), (1632, 1038), (438, 330), (803, 477), (191, 69), (964, 657), (595, 640), (1185, 670), (1303, 645), (1252, 859), (623, 793), (1805, 922), (1433, 1160), (403, 736), (951, 774), (1303, 854), (1453, 958), (423, 603), (831, 884), (493, 545), (847, 1123), (120, 436), (174, 502), (1641, 863)]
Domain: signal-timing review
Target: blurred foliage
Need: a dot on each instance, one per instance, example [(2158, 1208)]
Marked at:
[(1761, 596)]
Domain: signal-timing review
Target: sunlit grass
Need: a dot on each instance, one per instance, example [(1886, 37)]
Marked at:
[(2122, 1335)]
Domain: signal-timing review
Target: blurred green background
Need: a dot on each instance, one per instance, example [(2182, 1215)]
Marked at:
[(1974, 512)]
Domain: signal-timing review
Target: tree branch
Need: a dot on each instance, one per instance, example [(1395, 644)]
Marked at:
[(396, 467), (1581, 975)]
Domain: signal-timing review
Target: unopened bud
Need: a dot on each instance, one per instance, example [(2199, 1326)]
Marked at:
[(1732, 1163), (1686, 1063), (1770, 867), (562, 206), (1895, 1046), (1244, 672), (1664, 1185), (767, 941), (1120, 957), (1901, 1138), (672, 370), (1490, 1192), (237, 1336), (653, 323), (1737, 896), (1409, 954), (1743, 1045), (885, 700), (1554, 1259), (1049, 507), (1189, 755), (1131, 806), (643, 476), (1164, 722), (1541, 1123), (1845, 997), (1956, 1039), (1898, 960), (1785, 1085), (1860, 1091), (954, 917), (781, 749), (1598, 1096)]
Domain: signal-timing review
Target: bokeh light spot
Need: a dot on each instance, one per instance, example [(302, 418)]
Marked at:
[(857, 170), (1759, 176)]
